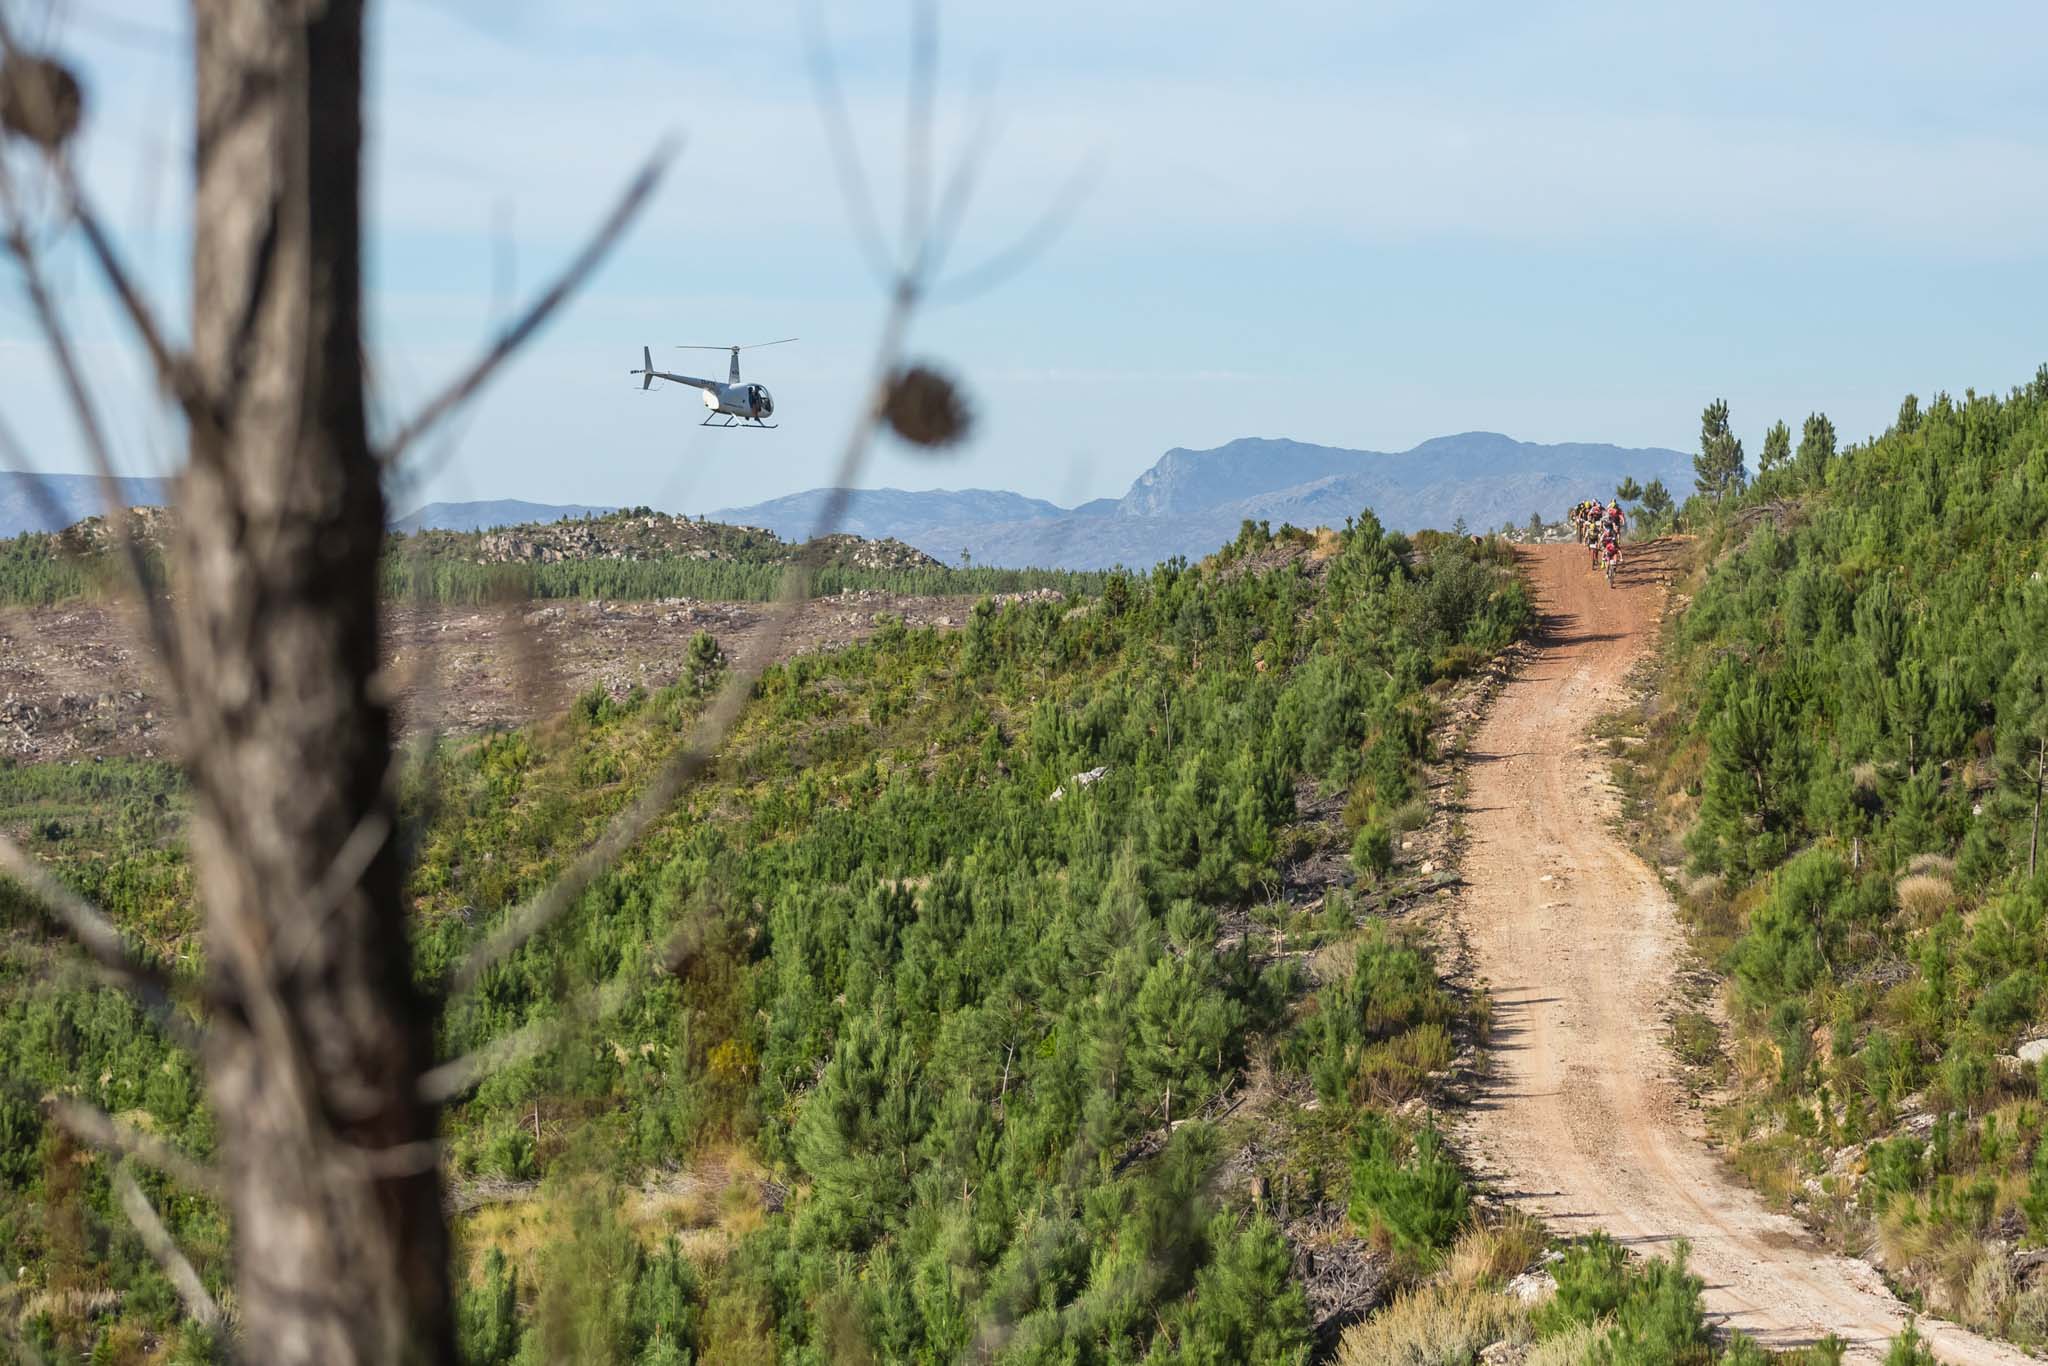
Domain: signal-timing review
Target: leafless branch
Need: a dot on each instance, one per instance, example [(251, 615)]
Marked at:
[(917, 124), (58, 337), (540, 310), (1028, 246), (389, 1164), (83, 921), (96, 1128), (853, 180), (174, 368), (158, 1240), (350, 862), (450, 1079)]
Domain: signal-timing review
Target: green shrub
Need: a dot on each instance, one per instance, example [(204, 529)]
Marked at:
[(1409, 1191), (511, 1154), (1908, 1350), (487, 1314), (1372, 850)]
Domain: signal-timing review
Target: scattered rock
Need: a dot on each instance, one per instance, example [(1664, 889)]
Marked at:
[(1533, 1287)]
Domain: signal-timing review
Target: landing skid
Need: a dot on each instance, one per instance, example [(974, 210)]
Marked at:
[(731, 421)]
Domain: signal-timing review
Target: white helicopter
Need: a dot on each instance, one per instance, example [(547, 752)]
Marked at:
[(741, 405)]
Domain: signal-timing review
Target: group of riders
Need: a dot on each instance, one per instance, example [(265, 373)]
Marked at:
[(1599, 530)]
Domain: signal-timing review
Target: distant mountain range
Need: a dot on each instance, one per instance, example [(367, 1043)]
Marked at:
[(1190, 502), (63, 499), (487, 515)]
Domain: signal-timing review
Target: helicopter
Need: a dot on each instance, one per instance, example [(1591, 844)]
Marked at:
[(741, 405)]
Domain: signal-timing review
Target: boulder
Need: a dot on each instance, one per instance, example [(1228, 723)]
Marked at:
[(1533, 1287)]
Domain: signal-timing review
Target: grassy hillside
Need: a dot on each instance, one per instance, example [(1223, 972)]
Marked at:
[(1847, 757)]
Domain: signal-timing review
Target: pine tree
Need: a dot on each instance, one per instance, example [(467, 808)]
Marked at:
[(1816, 449), (1777, 451), (2023, 713), (1183, 1025), (1657, 503), (1718, 469), (1628, 490), (1908, 420), (1247, 1306), (1751, 791), (488, 1314)]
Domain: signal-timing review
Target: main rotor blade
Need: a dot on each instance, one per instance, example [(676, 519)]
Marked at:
[(687, 346)]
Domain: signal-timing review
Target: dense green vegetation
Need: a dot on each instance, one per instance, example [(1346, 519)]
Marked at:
[(876, 1049), (1849, 742), (467, 583)]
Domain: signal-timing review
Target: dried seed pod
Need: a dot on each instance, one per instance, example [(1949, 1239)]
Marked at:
[(926, 408), (40, 100)]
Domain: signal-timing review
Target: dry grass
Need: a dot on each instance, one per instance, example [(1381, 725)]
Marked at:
[(1924, 897), (1701, 885), (1989, 1294), (1437, 1325), (1935, 865), (2029, 1320), (716, 1202), (521, 1229), (1568, 1348), (1334, 962), (1943, 1257), (1327, 543), (1491, 1255)]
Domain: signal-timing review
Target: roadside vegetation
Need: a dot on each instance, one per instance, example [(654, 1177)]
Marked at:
[(923, 1029), (1843, 777)]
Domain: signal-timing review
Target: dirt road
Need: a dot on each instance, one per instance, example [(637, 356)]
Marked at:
[(1579, 942)]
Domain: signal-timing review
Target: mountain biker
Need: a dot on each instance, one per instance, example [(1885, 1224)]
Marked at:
[(1610, 554), (1615, 518)]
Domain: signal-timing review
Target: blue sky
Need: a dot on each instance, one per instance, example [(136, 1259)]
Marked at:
[(1361, 224)]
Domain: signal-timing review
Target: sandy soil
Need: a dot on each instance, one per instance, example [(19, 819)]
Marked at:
[(1580, 1120)]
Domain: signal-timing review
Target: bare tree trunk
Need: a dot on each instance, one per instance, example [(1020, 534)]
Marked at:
[(341, 1246)]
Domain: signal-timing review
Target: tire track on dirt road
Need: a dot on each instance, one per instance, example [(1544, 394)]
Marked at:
[(1580, 1121)]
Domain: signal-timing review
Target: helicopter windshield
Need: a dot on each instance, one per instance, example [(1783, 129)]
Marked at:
[(762, 403)]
